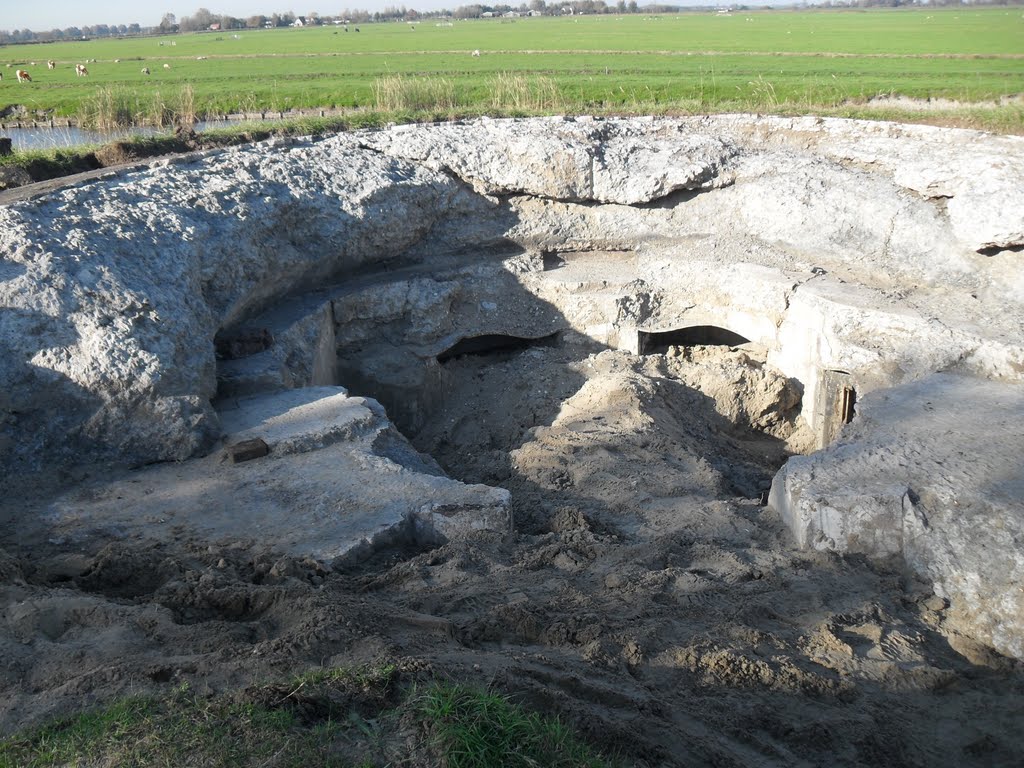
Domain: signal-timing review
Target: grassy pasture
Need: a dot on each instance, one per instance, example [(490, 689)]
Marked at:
[(764, 60)]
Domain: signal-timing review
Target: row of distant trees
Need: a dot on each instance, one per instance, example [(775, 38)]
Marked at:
[(72, 33), (203, 18)]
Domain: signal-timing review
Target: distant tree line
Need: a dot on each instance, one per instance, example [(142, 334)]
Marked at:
[(910, 3), (72, 33), (204, 19)]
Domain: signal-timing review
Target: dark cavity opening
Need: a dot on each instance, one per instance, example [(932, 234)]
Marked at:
[(658, 343), (236, 343), (837, 401), (995, 250), (847, 404), (553, 260), (494, 343)]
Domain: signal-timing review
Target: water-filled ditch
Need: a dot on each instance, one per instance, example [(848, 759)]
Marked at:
[(31, 137)]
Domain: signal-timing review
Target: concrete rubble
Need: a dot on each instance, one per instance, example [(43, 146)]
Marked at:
[(171, 309), (914, 477), (337, 483)]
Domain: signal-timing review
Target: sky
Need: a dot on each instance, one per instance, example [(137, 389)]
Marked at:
[(42, 15)]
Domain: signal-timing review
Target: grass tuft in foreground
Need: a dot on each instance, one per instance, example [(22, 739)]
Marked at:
[(303, 722), (183, 729), (470, 728), (326, 717)]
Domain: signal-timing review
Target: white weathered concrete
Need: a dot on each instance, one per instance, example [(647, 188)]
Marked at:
[(338, 482), (112, 291), (629, 162), (931, 472), (977, 174)]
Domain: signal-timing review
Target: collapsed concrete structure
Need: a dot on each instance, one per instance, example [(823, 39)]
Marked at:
[(164, 311)]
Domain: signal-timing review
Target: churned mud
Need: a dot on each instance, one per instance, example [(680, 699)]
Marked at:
[(645, 594)]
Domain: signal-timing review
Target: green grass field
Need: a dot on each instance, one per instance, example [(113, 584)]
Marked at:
[(763, 60)]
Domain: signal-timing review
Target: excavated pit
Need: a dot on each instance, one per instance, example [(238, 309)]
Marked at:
[(506, 400), (497, 404), (490, 384)]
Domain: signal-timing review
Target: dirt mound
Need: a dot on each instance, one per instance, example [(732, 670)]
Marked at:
[(613, 429), (646, 596), (703, 640)]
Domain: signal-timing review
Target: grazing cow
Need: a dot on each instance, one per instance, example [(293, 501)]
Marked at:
[(51, 64), (167, 66), (145, 70), (23, 76), (357, 29), (80, 70), (476, 52)]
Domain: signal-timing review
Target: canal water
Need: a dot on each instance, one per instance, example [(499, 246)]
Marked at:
[(62, 136)]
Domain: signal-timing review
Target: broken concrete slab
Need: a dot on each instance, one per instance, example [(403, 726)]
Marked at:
[(930, 473), (301, 420), (337, 483), (632, 161)]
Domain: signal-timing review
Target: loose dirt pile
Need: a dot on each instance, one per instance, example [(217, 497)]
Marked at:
[(645, 595), (614, 430)]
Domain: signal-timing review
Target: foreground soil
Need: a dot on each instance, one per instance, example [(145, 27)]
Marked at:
[(644, 595)]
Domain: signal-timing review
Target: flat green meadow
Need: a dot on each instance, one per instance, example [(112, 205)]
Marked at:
[(782, 61)]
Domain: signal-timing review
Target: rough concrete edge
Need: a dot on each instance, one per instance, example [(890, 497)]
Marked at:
[(432, 525)]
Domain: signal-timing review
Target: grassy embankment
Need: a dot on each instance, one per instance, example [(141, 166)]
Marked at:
[(327, 717), (697, 62), (781, 62), (826, 62)]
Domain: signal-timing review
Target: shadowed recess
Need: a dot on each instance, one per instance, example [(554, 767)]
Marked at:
[(657, 343), (491, 343)]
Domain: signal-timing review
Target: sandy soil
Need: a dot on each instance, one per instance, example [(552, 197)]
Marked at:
[(645, 594)]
